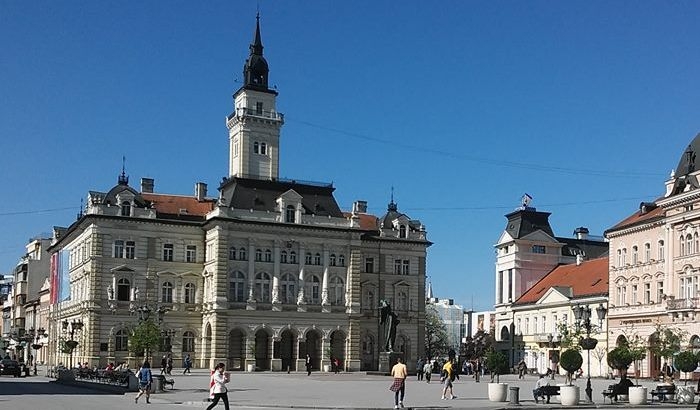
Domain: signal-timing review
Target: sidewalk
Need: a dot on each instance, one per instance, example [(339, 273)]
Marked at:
[(360, 391)]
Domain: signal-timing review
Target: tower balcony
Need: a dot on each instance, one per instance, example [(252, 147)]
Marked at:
[(253, 112)]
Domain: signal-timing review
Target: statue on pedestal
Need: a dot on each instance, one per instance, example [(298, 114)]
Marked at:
[(390, 320)]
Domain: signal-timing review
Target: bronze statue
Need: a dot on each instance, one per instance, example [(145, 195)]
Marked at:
[(390, 320)]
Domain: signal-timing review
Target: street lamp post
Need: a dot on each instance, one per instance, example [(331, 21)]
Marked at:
[(36, 335), (70, 328), (582, 314)]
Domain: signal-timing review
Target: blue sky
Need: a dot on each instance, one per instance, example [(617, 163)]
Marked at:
[(461, 106)]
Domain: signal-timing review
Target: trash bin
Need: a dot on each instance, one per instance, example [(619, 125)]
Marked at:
[(514, 395), (157, 384)]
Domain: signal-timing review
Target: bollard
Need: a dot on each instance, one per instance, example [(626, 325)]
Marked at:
[(514, 395)]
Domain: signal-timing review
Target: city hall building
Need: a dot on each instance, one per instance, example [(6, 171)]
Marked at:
[(259, 276)]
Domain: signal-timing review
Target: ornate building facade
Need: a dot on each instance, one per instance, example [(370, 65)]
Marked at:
[(655, 264), (260, 276)]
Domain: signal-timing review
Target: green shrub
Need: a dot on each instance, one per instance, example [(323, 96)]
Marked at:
[(497, 363), (620, 358), (686, 361), (571, 360)]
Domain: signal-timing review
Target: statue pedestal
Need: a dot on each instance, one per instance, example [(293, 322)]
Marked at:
[(387, 360)]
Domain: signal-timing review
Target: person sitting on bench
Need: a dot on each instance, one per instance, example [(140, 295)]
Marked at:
[(622, 388), (537, 392)]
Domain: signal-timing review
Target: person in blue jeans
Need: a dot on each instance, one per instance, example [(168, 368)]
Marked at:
[(145, 377)]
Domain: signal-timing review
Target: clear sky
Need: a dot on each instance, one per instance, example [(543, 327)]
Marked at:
[(461, 106)]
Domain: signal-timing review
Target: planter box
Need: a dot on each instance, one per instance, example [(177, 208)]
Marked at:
[(498, 392), (250, 368), (569, 395), (638, 395), (685, 394)]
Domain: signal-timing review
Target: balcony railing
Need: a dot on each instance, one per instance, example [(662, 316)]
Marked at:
[(252, 112), (682, 304)]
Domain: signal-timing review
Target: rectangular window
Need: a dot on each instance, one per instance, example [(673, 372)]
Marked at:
[(258, 108), (519, 329), (130, 250), (659, 291), (634, 294), (647, 293), (499, 287), (405, 269), (510, 285), (397, 266), (538, 249), (527, 326), (661, 250), (544, 324), (369, 265), (168, 249), (118, 249), (534, 325), (191, 253)]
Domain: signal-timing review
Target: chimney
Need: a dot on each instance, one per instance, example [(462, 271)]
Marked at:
[(200, 191), (359, 207), (581, 232), (147, 185)]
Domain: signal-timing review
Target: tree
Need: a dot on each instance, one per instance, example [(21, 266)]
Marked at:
[(571, 360), (666, 341), (145, 337), (436, 340), (476, 347), (686, 362), (497, 363), (599, 353)]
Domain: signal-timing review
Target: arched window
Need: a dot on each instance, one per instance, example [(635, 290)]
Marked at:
[(308, 258), (341, 260), (263, 148), (402, 301), (268, 255), (682, 250), (661, 250), (689, 244), (336, 291), (647, 252), (258, 255), (262, 287), (236, 287), (317, 259), (188, 342), (402, 231), (283, 257), (292, 257), (232, 253), (126, 208), (619, 258), (696, 240), (288, 286), (190, 292), (242, 255), (121, 341), (290, 214), (123, 289), (332, 259), (167, 293), (624, 256), (313, 289), (635, 257)]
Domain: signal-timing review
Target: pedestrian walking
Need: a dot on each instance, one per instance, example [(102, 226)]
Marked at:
[(419, 369), (427, 370), (449, 375), (188, 364), (163, 364), (308, 365), (220, 378), (145, 378), (522, 368), (399, 373), (169, 364)]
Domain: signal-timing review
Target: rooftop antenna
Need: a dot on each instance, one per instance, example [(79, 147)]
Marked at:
[(80, 211), (123, 179)]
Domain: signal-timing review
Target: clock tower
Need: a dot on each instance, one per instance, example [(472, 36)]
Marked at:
[(254, 126)]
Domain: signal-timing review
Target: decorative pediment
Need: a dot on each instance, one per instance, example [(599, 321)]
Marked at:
[(401, 283), (122, 269), (556, 295), (539, 236), (505, 238), (290, 196)]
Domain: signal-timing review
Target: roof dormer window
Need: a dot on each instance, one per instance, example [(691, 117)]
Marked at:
[(126, 208), (402, 231)]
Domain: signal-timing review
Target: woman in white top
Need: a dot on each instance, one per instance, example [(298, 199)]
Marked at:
[(219, 378)]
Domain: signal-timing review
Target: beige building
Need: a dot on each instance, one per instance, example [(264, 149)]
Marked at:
[(260, 276), (655, 263), (540, 313), (526, 252)]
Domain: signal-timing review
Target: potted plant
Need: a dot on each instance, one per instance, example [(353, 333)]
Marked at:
[(497, 363), (620, 359), (686, 361), (570, 360)]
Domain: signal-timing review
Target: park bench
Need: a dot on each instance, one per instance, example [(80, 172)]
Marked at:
[(547, 391), (664, 393)]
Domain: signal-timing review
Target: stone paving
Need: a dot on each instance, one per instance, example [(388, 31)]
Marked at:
[(361, 391)]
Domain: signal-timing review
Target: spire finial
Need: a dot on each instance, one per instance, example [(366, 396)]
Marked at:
[(392, 204), (80, 211), (123, 178)]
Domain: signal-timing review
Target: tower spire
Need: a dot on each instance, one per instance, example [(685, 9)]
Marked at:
[(255, 70), (257, 47), (123, 178)]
